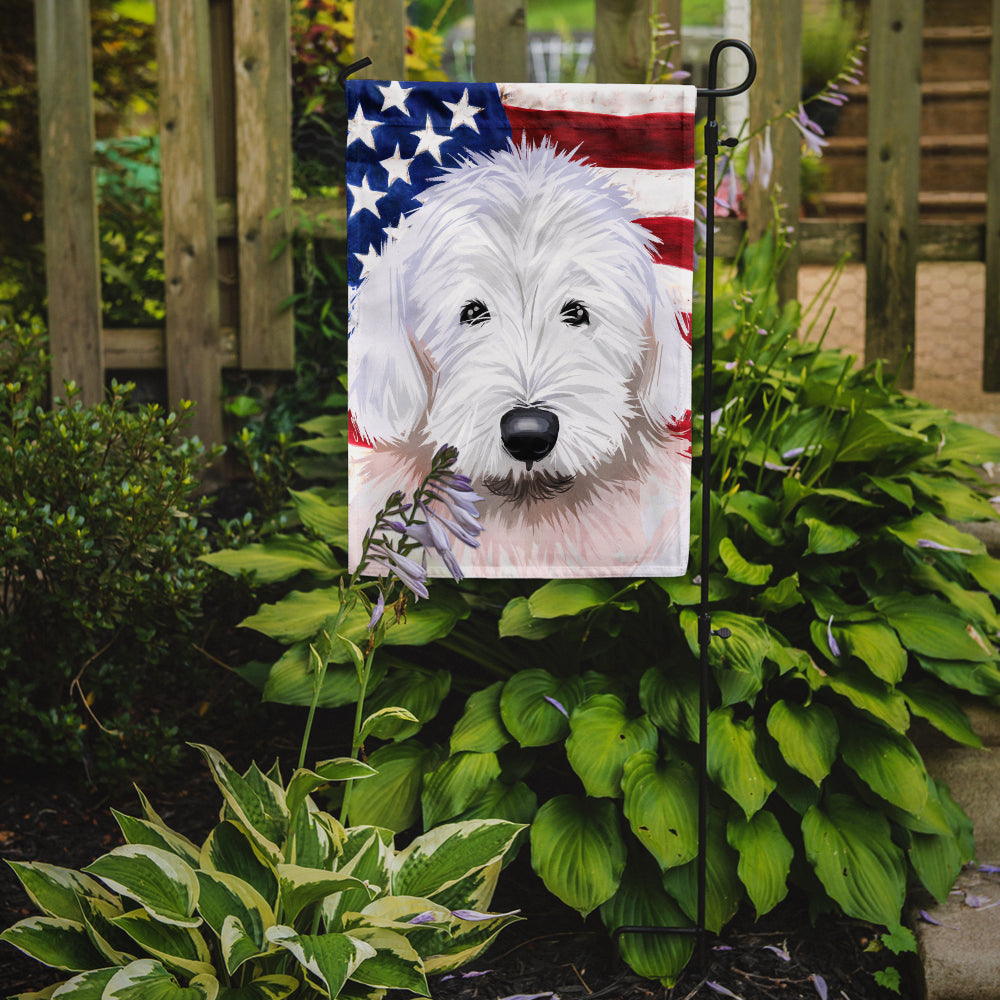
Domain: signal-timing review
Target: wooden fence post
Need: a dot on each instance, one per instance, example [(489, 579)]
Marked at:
[(380, 34), (622, 40), (991, 333), (776, 34), (262, 60), (72, 255), (190, 251), (501, 41), (893, 183)]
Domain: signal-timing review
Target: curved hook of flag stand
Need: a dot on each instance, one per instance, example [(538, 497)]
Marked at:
[(705, 631)]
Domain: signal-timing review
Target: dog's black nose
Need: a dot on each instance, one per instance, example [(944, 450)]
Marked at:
[(529, 433)]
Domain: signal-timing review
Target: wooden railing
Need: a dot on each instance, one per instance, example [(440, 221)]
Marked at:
[(226, 160)]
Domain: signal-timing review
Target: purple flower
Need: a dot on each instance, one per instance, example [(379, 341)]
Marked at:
[(558, 705), (811, 132), (377, 612), (411, 574), (820, 983), (426, 917), (761, 163), (780, 952), (719, 988), (927, 543), (475, 915), (834, 648)]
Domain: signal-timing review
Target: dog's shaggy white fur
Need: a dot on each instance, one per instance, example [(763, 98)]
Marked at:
[(522, 284)]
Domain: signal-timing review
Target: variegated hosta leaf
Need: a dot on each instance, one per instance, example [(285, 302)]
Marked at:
[(578, 851), (315, 838), (395, 964), (54, 941), (535, 706), (300, 887), (328, 959), (732, 760), (256, 801), (457, 784), (765, 858), (147, 979), (602, 737), (158, 880), (661, 800), (642, 902), (850, 847), (274, 987), (230, 849), (56, 891), (304, 782), (807, 736), (141, 831), (476, 890), (177, 947), (116, 946), (465, 942), (86, 986), (225, 897), (441, 857), (367, 853), (481, 727)]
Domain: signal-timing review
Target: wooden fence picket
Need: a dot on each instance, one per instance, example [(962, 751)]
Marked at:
[(991, 332), (892, 217), (72, 256)]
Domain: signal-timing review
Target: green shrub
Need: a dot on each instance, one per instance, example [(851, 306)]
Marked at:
[(99, 540), (855, 604), (279, 900)]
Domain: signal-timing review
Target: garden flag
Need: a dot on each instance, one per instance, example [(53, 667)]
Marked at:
[(519, 265)]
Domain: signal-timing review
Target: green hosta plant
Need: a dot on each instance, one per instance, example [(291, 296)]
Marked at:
[(279, 900), (855, 603)]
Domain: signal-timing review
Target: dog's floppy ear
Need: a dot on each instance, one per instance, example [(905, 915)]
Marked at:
[(387, 388), (665, 393)]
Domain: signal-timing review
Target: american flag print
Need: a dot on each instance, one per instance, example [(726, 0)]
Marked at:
[(519, 270)]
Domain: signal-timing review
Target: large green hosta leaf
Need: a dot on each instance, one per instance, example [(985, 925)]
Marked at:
[(850, 848), (661, 806), (456, 785), (765, 858), (739, 569), (738, 661), (723, 889), (577, 850), (559, 598), (876, 646), (391, 798), (641, 901), (481, 727), (807, 736), (602, 738), (416, 689), (671, 699), (924, 528), (888, 763), (535, 706), (932, 628), (732, 760), (278, 558), (941, 709)]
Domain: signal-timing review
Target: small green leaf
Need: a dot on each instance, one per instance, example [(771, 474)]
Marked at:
[(828, 539), (850, 847), (418, 690), (481, 727), (807, 736), (328, 521), (517, 620), (559, 598), (739, 569), (601, 740), (765, 858), (661, 798), (578, 851), (732, 760)]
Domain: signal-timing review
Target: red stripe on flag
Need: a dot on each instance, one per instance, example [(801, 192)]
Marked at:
[(651, 142), (686, 324), (354, 435), (676, 236)]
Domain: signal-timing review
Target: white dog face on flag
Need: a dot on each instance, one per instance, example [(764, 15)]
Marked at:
[(517, 316)]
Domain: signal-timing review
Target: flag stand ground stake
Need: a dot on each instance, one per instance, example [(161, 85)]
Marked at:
[(705, 630)]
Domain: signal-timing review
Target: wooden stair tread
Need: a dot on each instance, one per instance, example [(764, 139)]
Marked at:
[(847, 145), (958, 33), (935, 199), (933, 89)]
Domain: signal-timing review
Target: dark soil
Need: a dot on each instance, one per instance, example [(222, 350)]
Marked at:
[(551, 952)]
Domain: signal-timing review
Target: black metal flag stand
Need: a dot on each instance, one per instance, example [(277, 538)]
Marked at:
[(705, 631)]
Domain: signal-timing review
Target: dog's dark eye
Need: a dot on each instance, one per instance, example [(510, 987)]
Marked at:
[(474, 312), (574, 313)]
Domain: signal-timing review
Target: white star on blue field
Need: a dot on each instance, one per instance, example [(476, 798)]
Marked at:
[(400, 136)]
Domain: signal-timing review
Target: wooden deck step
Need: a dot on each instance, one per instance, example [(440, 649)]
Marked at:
[(945, 103), (958, 206)]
